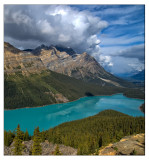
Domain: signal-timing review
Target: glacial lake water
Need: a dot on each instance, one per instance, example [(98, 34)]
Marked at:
[(55, 114)]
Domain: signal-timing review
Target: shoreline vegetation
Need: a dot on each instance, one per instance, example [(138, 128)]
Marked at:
[(87, 135), (140, 107), (24, 91)]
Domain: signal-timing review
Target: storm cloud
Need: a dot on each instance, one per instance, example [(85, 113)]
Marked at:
[(28, 26), (132, 52), (128, 60), (112, 34)]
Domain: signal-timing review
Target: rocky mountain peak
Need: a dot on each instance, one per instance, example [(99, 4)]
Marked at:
[(10, 48), (37, 50), (59, 59), (68, 50)]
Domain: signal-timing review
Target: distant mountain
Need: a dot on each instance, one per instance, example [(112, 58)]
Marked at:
[(124, 75), (139, 76), (137, 79)]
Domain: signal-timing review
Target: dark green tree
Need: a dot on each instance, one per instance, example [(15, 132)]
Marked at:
[(26, 136), (8, 138), (36, 150), (43, 136), (100, 141), (91, 145), (18, 141)]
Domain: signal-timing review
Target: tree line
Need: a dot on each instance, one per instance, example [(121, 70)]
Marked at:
[(18, 136), (25, 91)]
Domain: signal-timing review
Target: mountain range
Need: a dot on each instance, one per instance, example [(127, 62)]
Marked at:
[(53, 74), (58, 59), (139, 76)]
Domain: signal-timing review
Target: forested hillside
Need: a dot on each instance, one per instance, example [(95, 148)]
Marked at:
[(50, 87), (30, 82), (89, 134), (93, 132)]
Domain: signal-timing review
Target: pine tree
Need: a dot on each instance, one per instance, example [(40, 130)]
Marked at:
[(37, 150), (8, 137), (100, 141), (91, 144), (26, 136), (57, 151), (18, 142), (43, 136)]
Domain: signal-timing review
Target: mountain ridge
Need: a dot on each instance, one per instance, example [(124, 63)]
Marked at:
[(29, 80), (67, 61)]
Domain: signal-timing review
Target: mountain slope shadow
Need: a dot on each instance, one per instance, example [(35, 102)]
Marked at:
[(88, 94)]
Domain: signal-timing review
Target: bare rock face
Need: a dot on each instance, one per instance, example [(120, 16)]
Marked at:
[(47, 148), (129, 145), (65, 61), (60, 98), (80, 66), (7, 150), (22, 62)]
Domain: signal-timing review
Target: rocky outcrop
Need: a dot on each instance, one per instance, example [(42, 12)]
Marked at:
[(47, 148), (129, 145)]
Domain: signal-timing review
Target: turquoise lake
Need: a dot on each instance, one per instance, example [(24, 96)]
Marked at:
[(55, 114)]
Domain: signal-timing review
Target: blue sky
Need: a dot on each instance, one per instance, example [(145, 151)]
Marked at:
[(125, 31), (113, 34)]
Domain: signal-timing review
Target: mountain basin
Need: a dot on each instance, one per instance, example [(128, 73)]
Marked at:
[(52, 115)]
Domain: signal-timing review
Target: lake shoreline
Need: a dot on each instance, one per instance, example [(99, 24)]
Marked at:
[(51, 116), (72, 101), (60, 103)]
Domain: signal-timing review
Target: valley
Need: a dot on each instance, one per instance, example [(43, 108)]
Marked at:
[(41, 77), (74, 80), (70, 87)]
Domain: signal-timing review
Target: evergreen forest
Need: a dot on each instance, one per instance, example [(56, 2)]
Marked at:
[(25, 91), (87, 135)]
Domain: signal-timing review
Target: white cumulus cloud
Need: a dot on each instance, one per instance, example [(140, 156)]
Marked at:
[(53, 24)]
